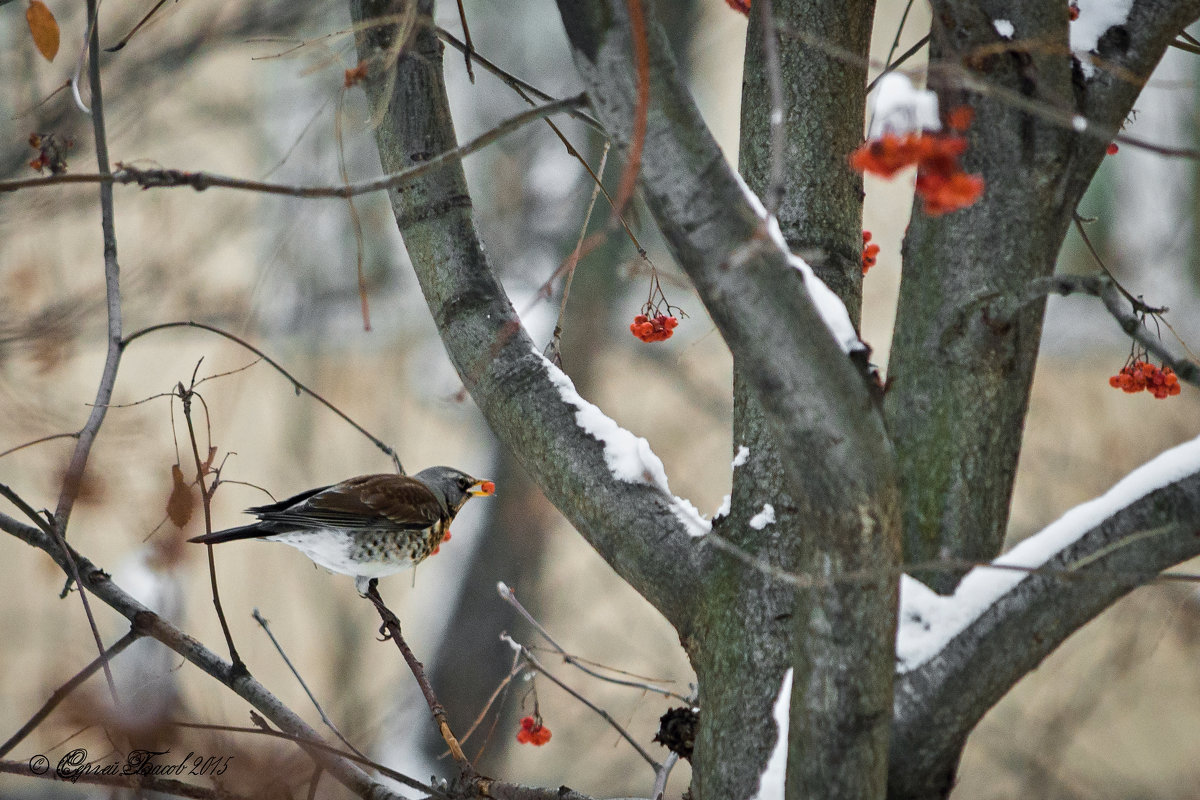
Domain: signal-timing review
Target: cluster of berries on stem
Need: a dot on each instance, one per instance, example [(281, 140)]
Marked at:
[(1138, 375), (942, 184), (657, 320), (870, 252), (533, 732)]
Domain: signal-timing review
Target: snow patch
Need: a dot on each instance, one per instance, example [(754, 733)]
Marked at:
[(628, 457), (1004, 28), (763, 518), (929, 621), (771, 781), (829, 306), (1095, 18), (726, 505), (900, 107), (743, 455)]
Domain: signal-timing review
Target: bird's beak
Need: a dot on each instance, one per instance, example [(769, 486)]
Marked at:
[(482, 489)]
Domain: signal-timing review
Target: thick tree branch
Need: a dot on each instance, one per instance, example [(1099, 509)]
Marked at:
[(634, 524), (960, 379), (818, 400), (939, 702), (833, 453)]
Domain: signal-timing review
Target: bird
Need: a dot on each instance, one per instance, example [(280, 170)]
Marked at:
[(369, 526)]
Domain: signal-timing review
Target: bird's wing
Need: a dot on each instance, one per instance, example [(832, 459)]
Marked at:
[(284, 505), (368, 501)]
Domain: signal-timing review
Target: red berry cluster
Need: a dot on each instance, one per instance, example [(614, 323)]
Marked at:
[(653, 329), (740, 5), (1073, 10), (870, 252), (941, 182), (1144, 376), (533, 732), (445, 538)]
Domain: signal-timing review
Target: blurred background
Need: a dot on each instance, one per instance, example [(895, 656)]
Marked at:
[(256, 91)]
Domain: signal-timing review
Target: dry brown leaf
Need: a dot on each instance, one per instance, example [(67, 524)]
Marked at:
[(43, 27), (182, 500)]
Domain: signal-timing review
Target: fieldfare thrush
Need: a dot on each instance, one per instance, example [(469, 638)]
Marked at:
[(369, 526)]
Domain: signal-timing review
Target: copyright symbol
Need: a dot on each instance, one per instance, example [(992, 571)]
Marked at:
[(38, 765)]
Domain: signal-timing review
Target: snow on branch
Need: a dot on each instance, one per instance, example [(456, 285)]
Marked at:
[(929, 621), (771, 780), (1094, 19), (628, 456), (829, 305)]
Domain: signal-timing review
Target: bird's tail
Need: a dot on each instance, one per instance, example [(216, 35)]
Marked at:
[(232, 534)]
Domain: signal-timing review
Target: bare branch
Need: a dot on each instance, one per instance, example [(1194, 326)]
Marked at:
[(145, 621), (262, 621), (61, 692), (533, 662), (634, 524), (112, 286), (173, 178), (300, 387), (391, 630)]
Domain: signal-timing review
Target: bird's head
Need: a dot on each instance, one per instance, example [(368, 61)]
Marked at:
[(454, 486)]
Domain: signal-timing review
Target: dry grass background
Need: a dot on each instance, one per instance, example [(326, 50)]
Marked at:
[(1114, 713)]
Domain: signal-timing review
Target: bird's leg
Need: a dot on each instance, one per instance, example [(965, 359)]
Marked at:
[(385, 613)]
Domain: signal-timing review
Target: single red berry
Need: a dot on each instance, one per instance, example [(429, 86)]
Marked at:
[(1112, 148)]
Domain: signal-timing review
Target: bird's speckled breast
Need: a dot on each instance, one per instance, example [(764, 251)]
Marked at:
[(366, 553)]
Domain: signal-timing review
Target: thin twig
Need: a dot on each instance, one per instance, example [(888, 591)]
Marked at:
[(641, 108), (899, 32), (185, 397), (516, 83), (49, 438), (1124, 309), (47, 527), (894, 65), (319, 745), (261, 620), (532, 660), (173, 178), (112, 286), (391, 627), (63, 691), (299, 387), (244, 686), (662, 774), (469, 50), (505, 682), (355, 220), (509, 597)]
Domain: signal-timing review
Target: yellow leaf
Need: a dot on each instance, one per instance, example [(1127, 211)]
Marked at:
[(43, 27), (182, 501)]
